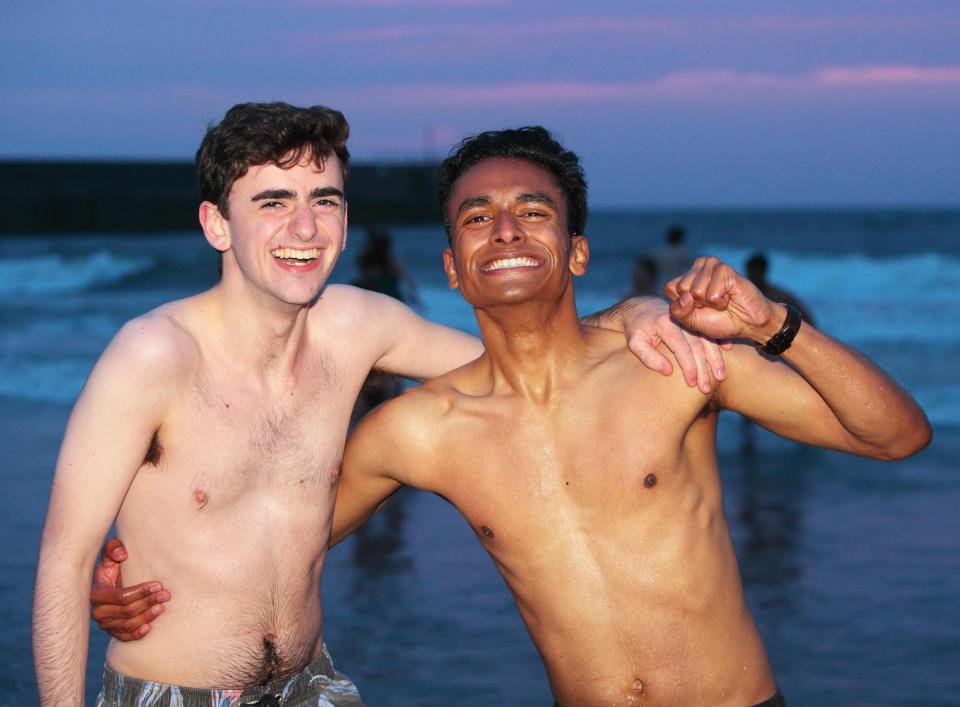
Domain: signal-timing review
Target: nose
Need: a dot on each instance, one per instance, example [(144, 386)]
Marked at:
[(507, 229), (303, 224)]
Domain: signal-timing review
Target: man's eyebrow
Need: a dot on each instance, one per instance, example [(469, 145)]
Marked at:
[(538, 196), (326, 191), (472, 201), (273, 194), (268, 194)]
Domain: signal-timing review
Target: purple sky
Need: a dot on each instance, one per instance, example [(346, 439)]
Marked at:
[(675, 103)]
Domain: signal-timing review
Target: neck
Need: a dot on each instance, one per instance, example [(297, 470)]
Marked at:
[(262, 334), (531, 346)]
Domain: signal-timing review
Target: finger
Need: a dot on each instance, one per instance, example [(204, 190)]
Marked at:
[(670, 289), (648, 354), (682, 306), (677, 342), (115, 550), (105, 612), (135, 635), (129, 624), (703, 381), (718, 289), (109, 594), (714, 357), (686, 281), (701, 282)]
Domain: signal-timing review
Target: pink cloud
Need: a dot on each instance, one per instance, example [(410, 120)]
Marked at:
[(400, 3), (889, 74), (703, 85), (664, 27)]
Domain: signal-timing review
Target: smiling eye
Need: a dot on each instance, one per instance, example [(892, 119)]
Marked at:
[(272, 204), (478, 218), (327, 203)]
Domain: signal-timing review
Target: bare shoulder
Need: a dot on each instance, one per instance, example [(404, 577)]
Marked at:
[(349, 306), (158, 345), (410, 420)]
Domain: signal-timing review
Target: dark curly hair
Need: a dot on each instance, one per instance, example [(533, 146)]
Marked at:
[(252, 134), (534, 144)]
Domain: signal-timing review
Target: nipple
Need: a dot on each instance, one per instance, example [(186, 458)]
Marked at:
[(201, 498)]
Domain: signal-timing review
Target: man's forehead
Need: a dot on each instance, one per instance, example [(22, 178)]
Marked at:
[(498, 174), (306, 168)]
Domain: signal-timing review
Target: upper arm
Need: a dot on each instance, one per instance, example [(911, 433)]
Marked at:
[(776, 397), (109, 431), (393, 446), (417, 348), (367, 477)]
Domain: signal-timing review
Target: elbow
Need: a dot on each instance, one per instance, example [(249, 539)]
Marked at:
[(908, 441)]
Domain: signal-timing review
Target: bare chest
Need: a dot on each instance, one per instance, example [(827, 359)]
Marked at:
[(596, 462), (226, 440)]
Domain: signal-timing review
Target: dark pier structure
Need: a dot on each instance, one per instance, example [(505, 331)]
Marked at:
[(132, 197)]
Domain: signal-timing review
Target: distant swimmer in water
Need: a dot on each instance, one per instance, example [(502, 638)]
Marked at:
[(591, 481), (757, 266), (380, 271), (672, 258), (644, 276)]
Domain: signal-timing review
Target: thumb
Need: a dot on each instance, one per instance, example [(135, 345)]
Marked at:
[(682, 307), (107, 570)]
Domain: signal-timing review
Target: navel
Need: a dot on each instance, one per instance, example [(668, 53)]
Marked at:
[(650, 480), (200, 497), (635, 692)]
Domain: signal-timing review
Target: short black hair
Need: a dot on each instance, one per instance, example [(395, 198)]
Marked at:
[(253, 134), (533, 144)]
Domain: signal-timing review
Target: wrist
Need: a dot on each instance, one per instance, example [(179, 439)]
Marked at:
[(783, 337), (775, 320)]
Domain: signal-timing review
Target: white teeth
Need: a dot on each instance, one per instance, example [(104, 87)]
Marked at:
[(503, 263), (294, 254)]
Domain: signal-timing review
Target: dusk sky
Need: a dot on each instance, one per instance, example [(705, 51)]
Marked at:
[(681, 103)]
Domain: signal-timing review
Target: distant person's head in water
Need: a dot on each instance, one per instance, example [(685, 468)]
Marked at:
[(253, 134), (757, 269), (644, 278), (533, 144), (676, 235), (377, 253)]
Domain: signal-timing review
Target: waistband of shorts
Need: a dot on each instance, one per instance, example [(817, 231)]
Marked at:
[(122, 689)]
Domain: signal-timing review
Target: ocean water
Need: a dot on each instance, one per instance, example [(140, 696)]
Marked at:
[(852, 567)]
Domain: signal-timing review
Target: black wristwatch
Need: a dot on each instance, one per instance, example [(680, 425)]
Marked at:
[(780, 342)]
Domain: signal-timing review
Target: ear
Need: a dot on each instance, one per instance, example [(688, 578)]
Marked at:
[(343, 246), (215, 226), (450, 269), (579, 255)]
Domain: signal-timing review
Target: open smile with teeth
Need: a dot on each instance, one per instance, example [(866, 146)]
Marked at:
[(294, 256), (505, 263)]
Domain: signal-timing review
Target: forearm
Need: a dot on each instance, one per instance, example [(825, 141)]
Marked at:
[(614, 317), (868, 403), (60, 633)]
